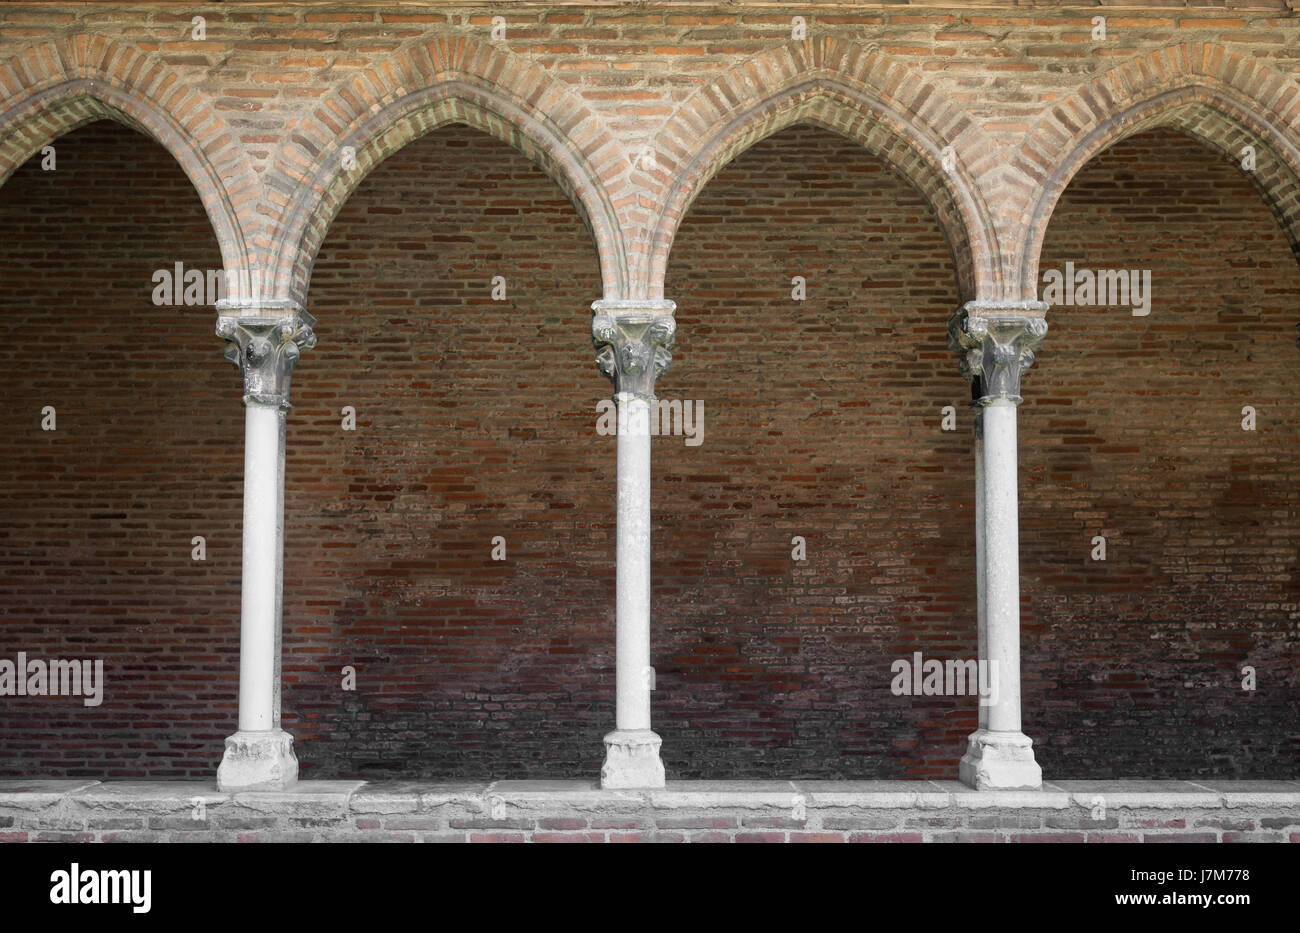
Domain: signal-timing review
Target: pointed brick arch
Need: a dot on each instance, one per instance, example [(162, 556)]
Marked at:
[(1223, 100), (413, 93), (846, 88), (58, 86)]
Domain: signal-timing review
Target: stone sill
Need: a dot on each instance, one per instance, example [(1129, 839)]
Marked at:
[(722, 811), (409, 796)]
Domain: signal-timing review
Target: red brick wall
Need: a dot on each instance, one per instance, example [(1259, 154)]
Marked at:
[(98, 515), (263, 105), (822, 419), (476, 418), (1131, 429)]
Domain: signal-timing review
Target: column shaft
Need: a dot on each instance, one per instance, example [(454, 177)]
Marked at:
[(263, 556), (1002, 562), (981, 548), (632, 599)]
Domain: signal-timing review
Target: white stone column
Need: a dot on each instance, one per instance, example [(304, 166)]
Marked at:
[(265, 346), (263, 547), (632, 570), (633, 340), (981, 605), (1002, 564), (998, 345)]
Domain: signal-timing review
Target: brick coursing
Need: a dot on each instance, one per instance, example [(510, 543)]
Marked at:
[(822, 418), (258, 111)]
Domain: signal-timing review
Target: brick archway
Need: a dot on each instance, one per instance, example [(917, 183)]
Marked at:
[(853, 91), (411, 94), (1222, 100), (57, 87)]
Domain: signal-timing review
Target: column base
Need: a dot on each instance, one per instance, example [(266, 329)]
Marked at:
[(258, 761), (632, 760), (1000, 761)]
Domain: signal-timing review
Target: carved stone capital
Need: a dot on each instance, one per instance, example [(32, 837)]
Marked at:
[(265, 350), (634, 341), (996, 345)]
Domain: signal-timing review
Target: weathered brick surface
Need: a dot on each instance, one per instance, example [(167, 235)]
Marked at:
[(98, 515), (424, 628), (269, 99), (822, 417), (1132, 429), (751, 647), (504, 666)]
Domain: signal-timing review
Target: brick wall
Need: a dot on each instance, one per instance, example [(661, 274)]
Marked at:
[(823, 421), (264, 104), (98, 515), (1132, 429), (475, 418)]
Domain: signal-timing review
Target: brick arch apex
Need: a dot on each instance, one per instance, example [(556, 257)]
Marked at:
[(1214, 97), (468, 83), (83, 78), (851, 90)]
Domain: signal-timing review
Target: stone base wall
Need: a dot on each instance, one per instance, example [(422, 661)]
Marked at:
[(688, 811)]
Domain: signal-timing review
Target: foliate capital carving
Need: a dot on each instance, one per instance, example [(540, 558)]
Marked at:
[(634, 341), (265, 350), (996, 344)]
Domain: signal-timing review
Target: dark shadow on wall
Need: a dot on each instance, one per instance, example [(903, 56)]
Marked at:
[(97, 517), (823, 419), (475, 418), (1132, 430)]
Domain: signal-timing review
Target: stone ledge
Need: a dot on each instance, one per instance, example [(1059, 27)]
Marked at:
[(413, 796), (683, 811), (38, 794), (151, 796)]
